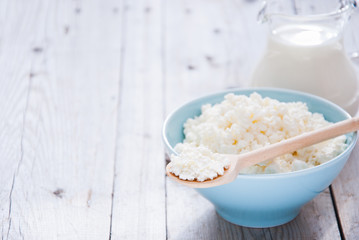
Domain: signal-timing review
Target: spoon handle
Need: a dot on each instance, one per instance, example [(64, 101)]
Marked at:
[(298, 142)]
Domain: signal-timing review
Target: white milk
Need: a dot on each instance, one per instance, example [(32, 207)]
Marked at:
[(311, 59)]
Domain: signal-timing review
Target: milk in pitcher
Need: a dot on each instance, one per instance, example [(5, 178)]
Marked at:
[(309, 57)]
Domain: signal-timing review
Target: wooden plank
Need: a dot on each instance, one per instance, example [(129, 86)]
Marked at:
[(15, 69), (206, 50), (63, 186), (190, 216), (346, 194), (210, 45), (139, 190), (316, 220), (227, 32)]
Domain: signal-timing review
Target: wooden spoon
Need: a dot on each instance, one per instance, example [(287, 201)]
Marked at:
[(238, 162)]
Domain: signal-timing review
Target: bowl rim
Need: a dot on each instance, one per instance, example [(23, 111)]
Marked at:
[(324, 165)]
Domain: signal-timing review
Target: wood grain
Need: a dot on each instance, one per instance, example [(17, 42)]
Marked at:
[(346, 194), (209, 45), (315, 221), (139, 209), (205, 52), (14, 79), (190, 216), (63, 183)]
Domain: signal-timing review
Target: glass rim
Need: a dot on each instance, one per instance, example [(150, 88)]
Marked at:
[(347, 9)]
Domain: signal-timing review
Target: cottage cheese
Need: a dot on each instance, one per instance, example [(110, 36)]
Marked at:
[(197, 162), (241, 124)]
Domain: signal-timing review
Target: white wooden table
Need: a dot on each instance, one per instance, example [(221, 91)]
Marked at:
[(84, 89)]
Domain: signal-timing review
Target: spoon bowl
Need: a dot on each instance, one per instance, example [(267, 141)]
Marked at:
[(229, 175)]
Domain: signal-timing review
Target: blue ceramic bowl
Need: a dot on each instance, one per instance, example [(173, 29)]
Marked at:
[(265, 200)]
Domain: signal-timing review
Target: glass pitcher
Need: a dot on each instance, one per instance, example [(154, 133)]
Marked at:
[(305, 51)]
